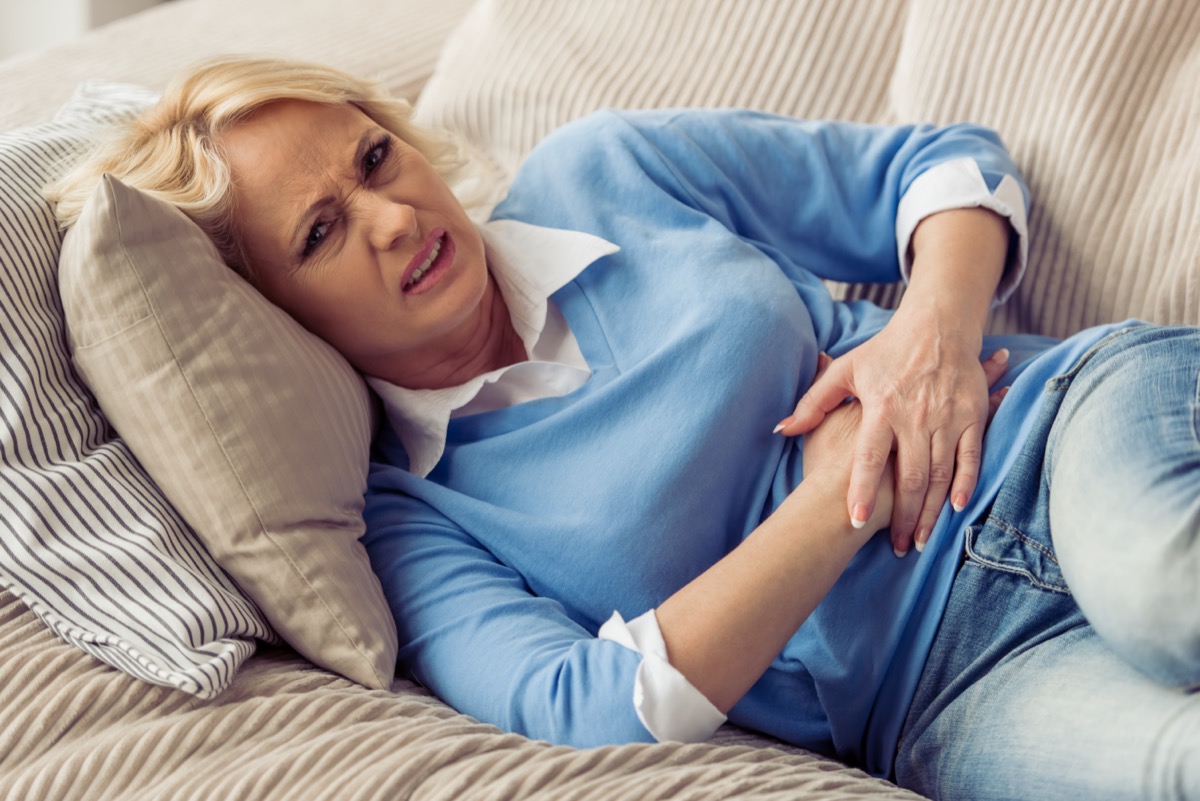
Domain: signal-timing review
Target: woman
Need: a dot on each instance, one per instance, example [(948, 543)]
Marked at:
[(581, 394)]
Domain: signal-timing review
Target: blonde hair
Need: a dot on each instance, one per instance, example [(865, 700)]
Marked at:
[(171, 150)]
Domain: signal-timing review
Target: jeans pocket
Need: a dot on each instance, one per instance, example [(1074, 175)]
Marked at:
[(997, 545)]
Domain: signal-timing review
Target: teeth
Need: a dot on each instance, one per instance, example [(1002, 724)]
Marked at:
[(420, 271)]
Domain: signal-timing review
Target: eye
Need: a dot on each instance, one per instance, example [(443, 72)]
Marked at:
[(377, 155), (316, 235)]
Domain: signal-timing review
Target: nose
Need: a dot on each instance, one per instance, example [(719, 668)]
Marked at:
[(390, 222)]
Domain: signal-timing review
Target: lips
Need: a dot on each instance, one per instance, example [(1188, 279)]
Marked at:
[(429, 264)]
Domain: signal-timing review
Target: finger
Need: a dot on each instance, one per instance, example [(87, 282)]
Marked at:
[(871, 452), (825, 394), (912, 482), (995, 365), (967, 464), (941, 470)]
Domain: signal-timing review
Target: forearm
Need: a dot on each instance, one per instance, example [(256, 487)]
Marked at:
[(958, 259), (723, 629)]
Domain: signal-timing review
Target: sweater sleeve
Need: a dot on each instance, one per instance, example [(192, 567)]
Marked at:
[(474, 634), (838, 200)]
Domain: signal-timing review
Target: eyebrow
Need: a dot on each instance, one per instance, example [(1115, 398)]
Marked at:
[(365, 142)]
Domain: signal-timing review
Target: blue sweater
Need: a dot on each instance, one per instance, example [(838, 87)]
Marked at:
[(703, 331)]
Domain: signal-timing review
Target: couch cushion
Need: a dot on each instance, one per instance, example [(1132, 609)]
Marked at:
[(1095, 101), (514, 70), (1099, 104)]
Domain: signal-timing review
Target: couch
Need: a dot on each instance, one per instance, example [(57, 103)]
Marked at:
[(1098, 103)]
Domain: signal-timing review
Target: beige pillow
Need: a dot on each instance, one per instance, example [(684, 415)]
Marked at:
[(257, 431)]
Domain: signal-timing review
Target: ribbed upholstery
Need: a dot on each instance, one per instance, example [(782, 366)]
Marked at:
[(1098, 102), (73, 730), (514, 71), (394, 41)]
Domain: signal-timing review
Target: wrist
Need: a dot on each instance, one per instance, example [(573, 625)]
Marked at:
[(819, 503), (958, 259), (944, 316)]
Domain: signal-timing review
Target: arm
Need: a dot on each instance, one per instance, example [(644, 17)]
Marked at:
[(825, 199), (840, 201), (474, 633), (938, 206)]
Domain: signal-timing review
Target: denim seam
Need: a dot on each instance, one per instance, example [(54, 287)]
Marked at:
[(1066, 378), (1025, 538), (1014, 569)]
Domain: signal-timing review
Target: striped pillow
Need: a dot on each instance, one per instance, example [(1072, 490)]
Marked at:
[(87, 540)]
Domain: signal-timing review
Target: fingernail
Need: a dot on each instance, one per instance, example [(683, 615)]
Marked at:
[(784, 423), (859, 515), (899, 553), (959, 502), (920, 539), (1001, 356)]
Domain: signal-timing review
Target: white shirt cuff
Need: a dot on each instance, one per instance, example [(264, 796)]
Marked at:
[(667, 704), (959, 184)]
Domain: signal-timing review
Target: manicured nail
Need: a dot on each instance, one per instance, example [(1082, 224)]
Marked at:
[(784, 423), (920, 539), (899, 553), (959, 502), (1001, 356), (859, 515)]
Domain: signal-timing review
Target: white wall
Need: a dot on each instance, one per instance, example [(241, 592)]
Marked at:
[(30, 24)]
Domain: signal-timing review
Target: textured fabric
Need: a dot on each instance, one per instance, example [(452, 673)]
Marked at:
[(700, 332), (72, 730), (257, 431), (1094, 100), (396, 42), (1098, 102), (86, 537)]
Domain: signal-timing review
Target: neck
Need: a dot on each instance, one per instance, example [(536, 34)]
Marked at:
[(487, 343)]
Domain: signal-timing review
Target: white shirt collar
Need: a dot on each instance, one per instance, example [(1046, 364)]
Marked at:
[(529, 263)]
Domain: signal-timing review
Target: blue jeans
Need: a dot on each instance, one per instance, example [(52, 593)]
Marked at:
[(1066, 663)]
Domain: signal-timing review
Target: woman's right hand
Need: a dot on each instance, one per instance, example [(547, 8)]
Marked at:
[(828, 457)]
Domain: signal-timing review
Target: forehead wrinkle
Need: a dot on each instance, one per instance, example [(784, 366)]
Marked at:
[(308, 186)]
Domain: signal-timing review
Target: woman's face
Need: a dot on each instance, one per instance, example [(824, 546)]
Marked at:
[(351, 231)]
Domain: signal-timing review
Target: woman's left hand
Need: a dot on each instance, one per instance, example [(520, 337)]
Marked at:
[(924, 394)]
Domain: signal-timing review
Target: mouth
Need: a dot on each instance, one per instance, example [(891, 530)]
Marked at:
[(430, 263)]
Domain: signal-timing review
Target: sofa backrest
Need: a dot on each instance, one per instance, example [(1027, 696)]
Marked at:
[(1099, 102)]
